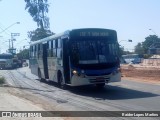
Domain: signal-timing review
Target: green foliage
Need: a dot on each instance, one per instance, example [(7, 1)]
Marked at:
[(150, 40), (38, 9), (2, 80), (24, 54), (142, 48), (39, 34), (139, 49)]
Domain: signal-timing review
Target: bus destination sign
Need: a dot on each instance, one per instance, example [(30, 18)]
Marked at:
[(93, 34)]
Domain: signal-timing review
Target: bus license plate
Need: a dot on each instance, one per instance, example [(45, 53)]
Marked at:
[(100, 78)]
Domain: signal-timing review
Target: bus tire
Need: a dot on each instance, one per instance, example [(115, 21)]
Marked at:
[(60, 81), (100, 85)]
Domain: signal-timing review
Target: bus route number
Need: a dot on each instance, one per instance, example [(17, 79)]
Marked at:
[(94, 34)]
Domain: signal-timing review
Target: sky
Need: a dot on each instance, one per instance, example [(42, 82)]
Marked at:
[(132, 19)]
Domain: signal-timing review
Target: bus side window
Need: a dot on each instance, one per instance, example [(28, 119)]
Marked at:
[(59, 53), (59, 43), (48, 49), (41, 50), (59, 49), (34, 51), (50, 44), (38, 50), (51, 49), (31, 51), (54, 48)]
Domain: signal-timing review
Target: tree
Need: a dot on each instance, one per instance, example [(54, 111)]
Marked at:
[(150, 40), (24, 54), (38, 9), (139, 49), (39, 34), (143, 48)]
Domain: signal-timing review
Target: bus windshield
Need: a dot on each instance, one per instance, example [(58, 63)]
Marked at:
[(94, 52)]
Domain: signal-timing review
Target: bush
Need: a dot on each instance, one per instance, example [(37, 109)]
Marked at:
[(2, 80)]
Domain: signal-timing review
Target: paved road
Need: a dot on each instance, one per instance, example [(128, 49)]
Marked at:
[(124, 96)]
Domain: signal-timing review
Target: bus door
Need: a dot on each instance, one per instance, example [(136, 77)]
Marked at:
[(66, 60), (45, 62)]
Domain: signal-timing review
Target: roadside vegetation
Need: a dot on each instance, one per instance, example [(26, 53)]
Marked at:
[(147, 48), (2, 80)]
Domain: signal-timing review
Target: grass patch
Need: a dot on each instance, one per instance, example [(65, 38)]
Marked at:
[(2, 80)]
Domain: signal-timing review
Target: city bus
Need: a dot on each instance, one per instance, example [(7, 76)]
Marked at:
[(132, 58), (77, 57), (6, 61)]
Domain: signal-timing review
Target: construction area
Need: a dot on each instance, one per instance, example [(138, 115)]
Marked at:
[(148, 71)]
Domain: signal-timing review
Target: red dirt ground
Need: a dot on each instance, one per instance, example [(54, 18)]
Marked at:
[(141, 73)]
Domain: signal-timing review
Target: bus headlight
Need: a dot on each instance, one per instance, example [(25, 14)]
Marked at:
[(74, 72), (80, 74)]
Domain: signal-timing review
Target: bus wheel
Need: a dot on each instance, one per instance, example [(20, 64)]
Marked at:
[(60, 81), (100, 85)]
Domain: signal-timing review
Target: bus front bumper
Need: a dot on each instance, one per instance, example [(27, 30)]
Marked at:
[(89, 80)]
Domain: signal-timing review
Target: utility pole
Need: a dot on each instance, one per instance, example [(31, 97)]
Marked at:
[(12, 49), (9, 44)]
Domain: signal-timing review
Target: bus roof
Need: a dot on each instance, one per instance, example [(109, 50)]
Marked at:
[(130, 54), (66, 33), (49, 38), (5, 54)]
